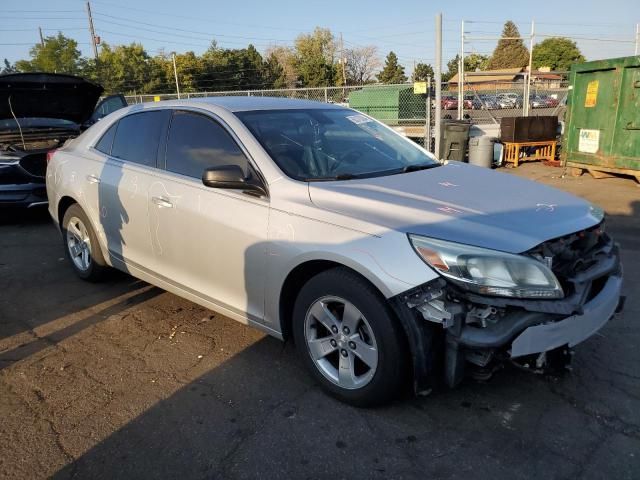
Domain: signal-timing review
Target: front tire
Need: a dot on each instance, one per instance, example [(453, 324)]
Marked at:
[(81, 245), (349, 339)]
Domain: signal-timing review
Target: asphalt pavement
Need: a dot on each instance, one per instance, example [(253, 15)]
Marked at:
[(124, 380)]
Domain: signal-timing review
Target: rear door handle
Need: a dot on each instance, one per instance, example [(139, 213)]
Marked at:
[(162, 202), (93, 179)]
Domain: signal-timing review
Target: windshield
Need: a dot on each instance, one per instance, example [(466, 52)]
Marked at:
[(333, 144)]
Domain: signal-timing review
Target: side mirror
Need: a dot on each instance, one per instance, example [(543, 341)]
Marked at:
[(230, 177)]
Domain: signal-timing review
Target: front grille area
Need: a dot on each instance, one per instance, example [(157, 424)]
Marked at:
[(35, 164), (574, 253)]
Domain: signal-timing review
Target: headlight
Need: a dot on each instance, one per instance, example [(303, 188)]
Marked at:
[(488, 272)]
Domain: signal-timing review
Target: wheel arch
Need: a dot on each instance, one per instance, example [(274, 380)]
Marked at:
[(300, 275), (63, 205)]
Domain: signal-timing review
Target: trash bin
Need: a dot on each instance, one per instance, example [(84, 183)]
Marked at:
[(454, 138), (481, 151)]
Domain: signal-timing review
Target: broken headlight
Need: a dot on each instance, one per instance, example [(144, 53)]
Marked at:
[(488, 272)]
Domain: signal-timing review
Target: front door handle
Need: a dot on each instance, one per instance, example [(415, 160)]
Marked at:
[(93, 179), (162, 202)]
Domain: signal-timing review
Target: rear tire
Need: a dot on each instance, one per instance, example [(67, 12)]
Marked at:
[(349, 340), (81, 245)]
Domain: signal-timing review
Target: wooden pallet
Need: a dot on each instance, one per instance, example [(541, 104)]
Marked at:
[(597, 171), (542, 151)]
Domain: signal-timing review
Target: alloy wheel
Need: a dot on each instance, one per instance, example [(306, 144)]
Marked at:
[(79, 244), (340, 342)]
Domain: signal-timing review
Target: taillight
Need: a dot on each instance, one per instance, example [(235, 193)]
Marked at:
[(50, 155)]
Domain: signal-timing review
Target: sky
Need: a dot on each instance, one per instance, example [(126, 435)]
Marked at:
[(601, 29)]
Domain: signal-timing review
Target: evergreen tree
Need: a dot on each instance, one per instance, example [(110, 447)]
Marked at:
[(509, 53), (421, 72), (392, 71)]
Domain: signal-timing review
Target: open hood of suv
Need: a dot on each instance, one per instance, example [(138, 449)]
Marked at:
[(459, 203), (47, 95)]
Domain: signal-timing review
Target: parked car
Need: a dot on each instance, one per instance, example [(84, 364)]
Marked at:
[(509, 100), (316, 223), (449, 102), (543, 101), (40, 112), (471, 102), (489, 102)]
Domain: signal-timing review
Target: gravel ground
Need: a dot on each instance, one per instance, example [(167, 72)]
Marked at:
[(123, 380)]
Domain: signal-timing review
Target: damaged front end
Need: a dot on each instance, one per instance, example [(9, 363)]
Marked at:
[(458, 330)]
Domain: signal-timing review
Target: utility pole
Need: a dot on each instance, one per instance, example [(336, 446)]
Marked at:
[(41, 37), (461, 75), (438, 82), (92, 32), (175, 73), (637, 38), (342, 62), (525, 100)]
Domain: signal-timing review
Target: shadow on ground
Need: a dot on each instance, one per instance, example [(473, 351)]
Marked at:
[(160, 387)]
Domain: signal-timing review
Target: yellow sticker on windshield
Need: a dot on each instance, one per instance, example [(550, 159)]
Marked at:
[(592, 94)]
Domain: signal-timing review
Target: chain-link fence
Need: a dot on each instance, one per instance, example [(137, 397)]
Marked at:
[(491, 102), (413, 114)]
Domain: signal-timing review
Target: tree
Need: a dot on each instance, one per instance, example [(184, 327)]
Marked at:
[(556, 53), (315, 58), (285, 58), (421, 72), (125, 68), (361, 64), (8, 68), (274, 75), (59, 54), (472, 63), (233, 69), (475, 62), (392, 71), (510, 51)]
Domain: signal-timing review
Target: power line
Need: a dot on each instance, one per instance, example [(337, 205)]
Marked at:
[(41, 11), (181, 29), (199, 19)]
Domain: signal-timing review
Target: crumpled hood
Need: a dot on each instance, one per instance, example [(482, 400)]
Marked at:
[(48, 95), (460, 203)]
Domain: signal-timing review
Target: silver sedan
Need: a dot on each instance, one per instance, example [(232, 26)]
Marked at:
[(316, 223)]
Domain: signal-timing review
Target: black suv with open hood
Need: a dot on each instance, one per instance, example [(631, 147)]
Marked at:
[(38, 113)]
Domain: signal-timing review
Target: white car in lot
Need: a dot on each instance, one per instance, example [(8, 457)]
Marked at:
[(316, 223)]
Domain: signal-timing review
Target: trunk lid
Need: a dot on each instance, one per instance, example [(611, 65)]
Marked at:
[(47, 95)]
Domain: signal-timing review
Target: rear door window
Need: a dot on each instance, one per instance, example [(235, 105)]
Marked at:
[(138, 136), (104, 144), (197, 142)]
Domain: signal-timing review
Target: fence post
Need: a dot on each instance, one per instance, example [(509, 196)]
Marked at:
[(438, 81), (326, 95), (526, 100), (175, 73), (427, 127)]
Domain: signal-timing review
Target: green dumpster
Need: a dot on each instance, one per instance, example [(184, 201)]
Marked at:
[(392, 104), (602, 123)]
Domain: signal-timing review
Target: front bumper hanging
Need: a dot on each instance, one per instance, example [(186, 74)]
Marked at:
[(486, 331)]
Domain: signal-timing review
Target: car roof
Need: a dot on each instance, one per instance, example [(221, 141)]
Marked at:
[(248, 103)]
